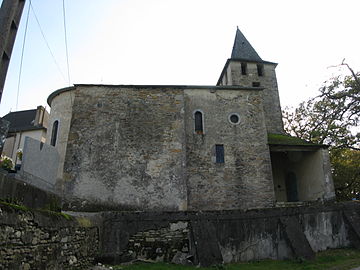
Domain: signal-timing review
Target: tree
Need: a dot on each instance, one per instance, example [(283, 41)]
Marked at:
[(346, 173), (332, 118)]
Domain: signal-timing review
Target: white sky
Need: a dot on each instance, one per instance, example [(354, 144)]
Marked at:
[(183, 42)]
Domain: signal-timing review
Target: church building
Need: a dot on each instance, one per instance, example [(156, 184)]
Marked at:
[(184, 147)]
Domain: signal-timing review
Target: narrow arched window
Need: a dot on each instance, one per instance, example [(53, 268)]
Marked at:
[(54, 133), (260, 70), (199, 127)]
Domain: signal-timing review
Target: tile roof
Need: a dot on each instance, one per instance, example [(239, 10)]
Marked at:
[(21, 120)]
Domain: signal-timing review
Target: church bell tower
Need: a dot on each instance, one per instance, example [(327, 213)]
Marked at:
[(246, 68)]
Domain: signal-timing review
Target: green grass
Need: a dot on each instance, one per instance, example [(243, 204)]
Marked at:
[(337, 259), (15, 206), (282, 139), (44, 211)]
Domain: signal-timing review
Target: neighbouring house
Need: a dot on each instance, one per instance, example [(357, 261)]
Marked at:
[(29, 123), (183, 147)]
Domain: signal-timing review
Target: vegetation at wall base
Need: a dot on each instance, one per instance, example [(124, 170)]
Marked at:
[(45, 211), (336, 259), (6, 163)]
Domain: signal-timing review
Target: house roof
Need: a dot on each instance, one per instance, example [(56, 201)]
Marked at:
[(22, 120), (242, 49)]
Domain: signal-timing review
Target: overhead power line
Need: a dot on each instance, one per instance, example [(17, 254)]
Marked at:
[(66, 45), (46, 42)]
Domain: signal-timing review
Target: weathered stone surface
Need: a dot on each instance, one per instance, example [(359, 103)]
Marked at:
[(325, 230), (244, 180), (126, 239), (206, 243), (271, 103), (299, 244), (352, 219), (239, 235), (182, 258), (20, 192), (32, 240), (134, 148), (126, 147)]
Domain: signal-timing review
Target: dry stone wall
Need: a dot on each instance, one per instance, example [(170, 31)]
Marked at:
[(161, 244), (44, 240)]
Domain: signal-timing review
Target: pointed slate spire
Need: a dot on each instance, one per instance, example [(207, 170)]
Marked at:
[(242, 49)]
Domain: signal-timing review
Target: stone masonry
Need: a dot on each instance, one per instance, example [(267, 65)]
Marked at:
[(244, 179), (215, 237), (44, 240), (135, 147), (127, 145)]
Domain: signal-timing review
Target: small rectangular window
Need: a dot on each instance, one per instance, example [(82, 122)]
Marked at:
[(260, 70), (256, 84), (219, 152), (243, 68)]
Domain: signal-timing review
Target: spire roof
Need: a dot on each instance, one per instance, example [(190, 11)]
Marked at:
[(242, 49)]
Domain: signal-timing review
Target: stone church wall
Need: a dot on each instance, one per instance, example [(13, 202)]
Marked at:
[(244, 180), (126, 148), (135, 148), (271, 102), (61, 111)]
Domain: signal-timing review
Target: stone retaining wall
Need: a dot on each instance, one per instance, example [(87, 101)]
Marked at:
[(19, 192), (44, 240), (215, 237)]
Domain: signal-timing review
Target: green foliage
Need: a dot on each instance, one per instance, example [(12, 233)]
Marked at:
[(53, 205), (19, 206), (6, 163), (346, 173), (340, 259), (332, 118), (19, 154), (15, 206)]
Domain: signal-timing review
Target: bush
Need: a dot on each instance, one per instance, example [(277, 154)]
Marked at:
[(6, 163)]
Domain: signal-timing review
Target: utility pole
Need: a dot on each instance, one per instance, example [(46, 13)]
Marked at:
[(10, 14)]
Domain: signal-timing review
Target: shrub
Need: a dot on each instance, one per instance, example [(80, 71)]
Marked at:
[(6, 163)]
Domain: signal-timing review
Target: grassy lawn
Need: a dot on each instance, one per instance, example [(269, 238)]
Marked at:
[(338, 259)]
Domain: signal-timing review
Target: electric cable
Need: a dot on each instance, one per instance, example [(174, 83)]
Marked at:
[(22, 57), (66, 46), (46, 42)]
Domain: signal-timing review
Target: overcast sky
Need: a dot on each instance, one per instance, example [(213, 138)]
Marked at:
[(180, 42)]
